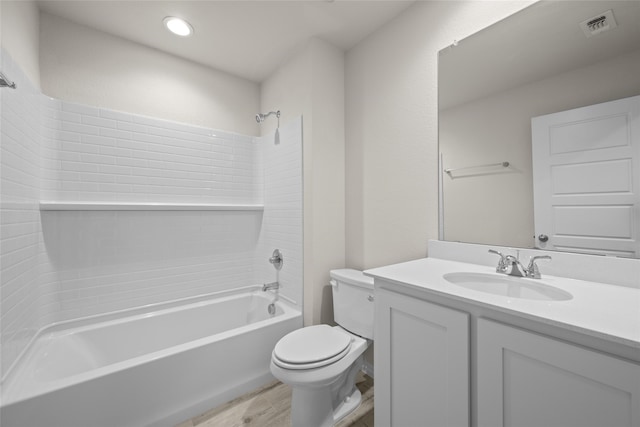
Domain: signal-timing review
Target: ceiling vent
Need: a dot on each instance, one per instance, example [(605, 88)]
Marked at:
[(598, 24)]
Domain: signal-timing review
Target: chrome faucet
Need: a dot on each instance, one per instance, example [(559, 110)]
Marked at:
[(515, 267), (511, 265), (268, 286)]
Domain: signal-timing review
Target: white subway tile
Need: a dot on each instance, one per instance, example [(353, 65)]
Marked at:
[(98, 158), (99, 122), (66, 136), (79, 166), (97, 177), (114, 169), (115, 115), (80, 128), (124, 161), (115, 133), (80, 109), (98, 140), (79, 147), (132, 127)]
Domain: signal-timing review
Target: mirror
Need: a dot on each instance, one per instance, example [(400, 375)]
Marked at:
[(536, 62)]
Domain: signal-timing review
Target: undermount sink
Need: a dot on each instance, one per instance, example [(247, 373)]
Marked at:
[(508, 286)]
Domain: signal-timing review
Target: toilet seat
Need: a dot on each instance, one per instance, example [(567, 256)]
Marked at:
[(311, 347)]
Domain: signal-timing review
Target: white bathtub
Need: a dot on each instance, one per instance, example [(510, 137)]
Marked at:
[(151, 367)]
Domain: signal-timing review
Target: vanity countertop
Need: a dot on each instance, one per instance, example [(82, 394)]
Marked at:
[(610, 312)]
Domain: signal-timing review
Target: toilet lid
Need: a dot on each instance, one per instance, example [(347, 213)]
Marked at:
[(311, 347)]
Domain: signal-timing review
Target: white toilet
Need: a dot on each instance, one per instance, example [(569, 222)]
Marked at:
[(321, 362)]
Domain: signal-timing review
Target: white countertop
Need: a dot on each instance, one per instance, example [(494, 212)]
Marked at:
[(601, 310)]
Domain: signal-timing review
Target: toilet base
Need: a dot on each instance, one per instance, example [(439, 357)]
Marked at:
[(321, 412), (326, 405), (349, 405)]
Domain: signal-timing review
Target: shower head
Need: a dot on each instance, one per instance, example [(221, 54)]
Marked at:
[(260, 116)]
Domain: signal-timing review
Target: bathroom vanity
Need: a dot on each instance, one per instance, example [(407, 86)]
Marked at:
[(458, 344)]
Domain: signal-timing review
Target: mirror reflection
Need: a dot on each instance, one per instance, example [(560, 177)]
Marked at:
[(572, 68)]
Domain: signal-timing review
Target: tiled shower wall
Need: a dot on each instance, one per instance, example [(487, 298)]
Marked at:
[(93, 262), (93, 154), (101, 261), (282, 222), (20, 230)]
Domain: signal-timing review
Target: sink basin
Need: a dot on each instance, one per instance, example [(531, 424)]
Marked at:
[(508, 286)]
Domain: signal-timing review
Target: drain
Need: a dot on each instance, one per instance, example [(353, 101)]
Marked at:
[(271, 309)]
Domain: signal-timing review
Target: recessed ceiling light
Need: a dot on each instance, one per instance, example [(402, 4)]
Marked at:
[(178, 26)]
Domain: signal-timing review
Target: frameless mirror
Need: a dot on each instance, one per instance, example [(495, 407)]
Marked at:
[(552, 57)]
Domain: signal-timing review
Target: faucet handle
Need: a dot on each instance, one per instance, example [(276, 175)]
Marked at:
[(532, 270), (502, 264), (276, 259)]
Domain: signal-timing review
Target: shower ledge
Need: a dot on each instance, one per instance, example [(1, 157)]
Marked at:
[(146, 206)]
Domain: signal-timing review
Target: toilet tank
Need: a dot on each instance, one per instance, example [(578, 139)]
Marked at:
[(353, 301)]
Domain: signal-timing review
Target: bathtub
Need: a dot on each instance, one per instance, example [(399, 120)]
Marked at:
[(150, 367)]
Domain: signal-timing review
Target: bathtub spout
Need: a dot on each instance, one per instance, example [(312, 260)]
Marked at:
[(272, 285)]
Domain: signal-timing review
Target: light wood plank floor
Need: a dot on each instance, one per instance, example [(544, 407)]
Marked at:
[(270, 406)]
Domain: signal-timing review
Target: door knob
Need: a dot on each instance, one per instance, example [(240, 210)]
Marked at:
[(543, 238)]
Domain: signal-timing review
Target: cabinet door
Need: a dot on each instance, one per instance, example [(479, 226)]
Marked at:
[(422, 363), (525, 379)]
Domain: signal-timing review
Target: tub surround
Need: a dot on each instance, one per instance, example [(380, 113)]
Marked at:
[(105, 211)]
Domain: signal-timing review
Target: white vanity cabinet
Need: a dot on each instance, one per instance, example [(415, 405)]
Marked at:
[(526, 379), (422, 363), (445, 362)]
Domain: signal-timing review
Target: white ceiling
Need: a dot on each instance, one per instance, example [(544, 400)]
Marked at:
[(543, 40), (245, 38)]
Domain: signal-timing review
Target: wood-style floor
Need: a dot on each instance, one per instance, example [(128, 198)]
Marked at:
[(270, 406)]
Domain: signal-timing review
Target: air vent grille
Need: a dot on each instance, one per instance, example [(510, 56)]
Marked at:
[(598, 24)]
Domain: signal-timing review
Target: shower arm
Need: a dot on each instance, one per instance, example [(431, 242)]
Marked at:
[(277, 113), (260, 117)]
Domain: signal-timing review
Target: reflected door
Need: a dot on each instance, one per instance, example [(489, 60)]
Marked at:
[(586, 174)]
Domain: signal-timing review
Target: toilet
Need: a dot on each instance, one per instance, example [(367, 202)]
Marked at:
[(321, 362)]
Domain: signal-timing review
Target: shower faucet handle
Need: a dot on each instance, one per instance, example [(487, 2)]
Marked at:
[(276, 259)]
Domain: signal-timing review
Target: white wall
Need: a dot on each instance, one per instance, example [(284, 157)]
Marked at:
[(312, 84), (87, 66), (391, 128), (20, 36)]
